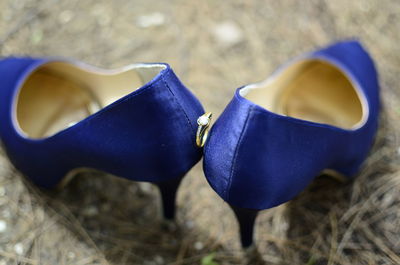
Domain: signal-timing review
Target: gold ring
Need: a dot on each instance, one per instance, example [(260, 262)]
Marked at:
[(204, 122)]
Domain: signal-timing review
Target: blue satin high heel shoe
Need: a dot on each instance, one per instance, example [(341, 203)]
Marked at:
[(59, 116), (318, 112)]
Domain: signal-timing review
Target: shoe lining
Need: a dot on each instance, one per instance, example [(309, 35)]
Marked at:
[(312, 90), (58, 95)]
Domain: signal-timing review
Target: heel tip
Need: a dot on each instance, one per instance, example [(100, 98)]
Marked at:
[(169, 225), (246, 219), (250, 249), (248, 245)]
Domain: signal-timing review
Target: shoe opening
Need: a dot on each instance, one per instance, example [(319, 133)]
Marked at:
[(57, 95), (312, 90)]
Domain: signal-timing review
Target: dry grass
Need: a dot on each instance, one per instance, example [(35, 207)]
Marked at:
[(99, 219)]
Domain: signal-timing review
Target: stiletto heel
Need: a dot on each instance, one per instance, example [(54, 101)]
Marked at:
[(168, 191), (246, 219), (58, 117), (317, 113)]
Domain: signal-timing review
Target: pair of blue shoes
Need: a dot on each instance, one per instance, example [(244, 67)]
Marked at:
[(319, 112)]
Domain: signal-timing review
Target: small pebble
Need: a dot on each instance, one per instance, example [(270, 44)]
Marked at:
[(65, 16), (2, 191), (91, 211), (37, 36), (19, 248), (198, 245), (159, 260), (228, 33), (3, 226), (151, 20)]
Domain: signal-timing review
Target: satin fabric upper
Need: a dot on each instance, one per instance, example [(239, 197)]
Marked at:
[(148, 135), (257, 159)]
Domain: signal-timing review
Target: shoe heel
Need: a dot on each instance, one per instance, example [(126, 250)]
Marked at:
[(168, 191), (246, 219)]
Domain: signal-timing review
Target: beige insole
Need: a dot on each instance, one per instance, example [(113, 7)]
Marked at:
[(312, 90), (49, 103), (58, 95)]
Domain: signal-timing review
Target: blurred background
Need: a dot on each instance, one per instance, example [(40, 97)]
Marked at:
[(214, 46)]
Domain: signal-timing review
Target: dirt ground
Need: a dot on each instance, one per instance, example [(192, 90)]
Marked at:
[(214, 46)]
